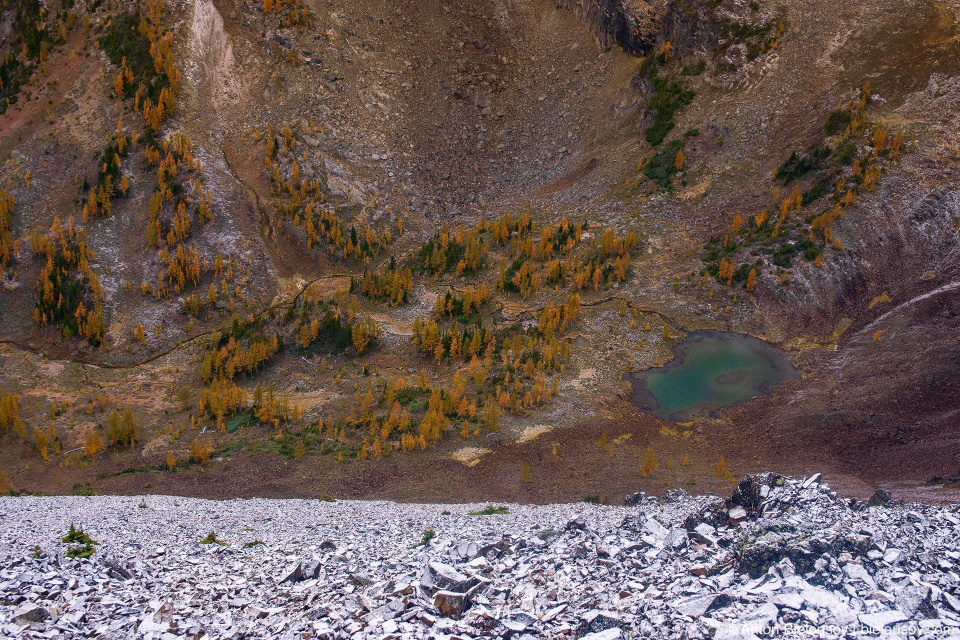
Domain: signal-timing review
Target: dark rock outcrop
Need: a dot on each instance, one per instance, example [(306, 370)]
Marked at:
[(692, 28), (632, 24)]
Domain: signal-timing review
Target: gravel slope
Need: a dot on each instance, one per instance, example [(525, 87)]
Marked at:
[(781, 555)]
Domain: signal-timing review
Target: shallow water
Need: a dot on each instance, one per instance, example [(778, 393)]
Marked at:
[(711, 370)]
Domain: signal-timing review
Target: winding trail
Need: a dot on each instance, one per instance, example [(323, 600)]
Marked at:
[(187, 341), (182, 343)]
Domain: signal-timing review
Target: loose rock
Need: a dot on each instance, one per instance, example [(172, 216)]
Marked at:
[(779, 552)]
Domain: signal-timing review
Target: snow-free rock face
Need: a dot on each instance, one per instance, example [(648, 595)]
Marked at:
[(632, 24), (801, 559)]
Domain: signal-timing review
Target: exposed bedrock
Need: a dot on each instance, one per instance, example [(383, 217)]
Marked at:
[(631, 24)]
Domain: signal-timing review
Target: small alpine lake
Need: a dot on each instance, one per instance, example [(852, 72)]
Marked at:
[(711, 370)]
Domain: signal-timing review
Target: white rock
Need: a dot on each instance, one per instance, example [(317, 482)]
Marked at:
[(789, 600), (696, 606), (607, 634), (737, 515), (858, 572), (878, 621)]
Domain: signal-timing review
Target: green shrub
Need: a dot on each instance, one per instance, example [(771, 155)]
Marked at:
[(212, 539), (80, 552), (660, 167), (837, 122), (669, 97), (428, 535), (796, 166), (491, 511), (695, 70), (26, 34), (406, 395), (78, 536), (123, 40), (84, 489)]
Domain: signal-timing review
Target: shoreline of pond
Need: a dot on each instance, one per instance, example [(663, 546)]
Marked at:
[(780, 362)]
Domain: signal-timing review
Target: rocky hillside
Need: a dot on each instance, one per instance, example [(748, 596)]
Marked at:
[(780, 557), (382, 249)]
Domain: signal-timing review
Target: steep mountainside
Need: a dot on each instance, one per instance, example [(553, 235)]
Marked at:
[(410, 249)]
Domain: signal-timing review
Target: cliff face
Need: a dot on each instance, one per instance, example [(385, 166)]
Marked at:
[(632, 24)]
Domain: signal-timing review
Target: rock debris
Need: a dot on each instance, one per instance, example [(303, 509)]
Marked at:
[(781, 557)]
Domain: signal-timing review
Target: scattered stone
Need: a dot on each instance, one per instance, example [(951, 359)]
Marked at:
[(780, 551)]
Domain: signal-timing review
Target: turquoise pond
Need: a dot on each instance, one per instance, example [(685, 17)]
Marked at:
[(710, 370)]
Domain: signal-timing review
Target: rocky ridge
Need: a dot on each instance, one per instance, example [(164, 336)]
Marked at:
[(781, 556)]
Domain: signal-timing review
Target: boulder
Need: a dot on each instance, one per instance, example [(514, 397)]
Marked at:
[(676, 539), (30, 613), (577, 524), (758, 556), (704, 534), (437, 576), (496, 549), (468, 550), (915, 599), (311, 570), (714, 514), (116, 570), (293, 574), (737, 515), (750, 493), (451, 604), (694, 606), (881, 619), (596, 621), (879, 498), (633, 499)]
